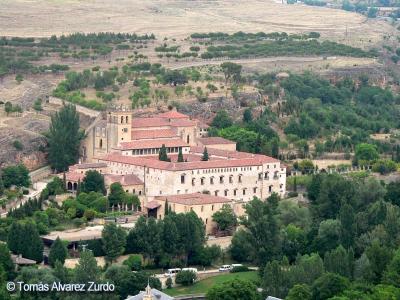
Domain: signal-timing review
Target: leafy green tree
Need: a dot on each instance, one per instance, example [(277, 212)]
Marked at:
[(64, 138), (392, 273), (233, 290), (93, 182), (205, 156), (2, 188), (365, 153), (241, 248), (393, 193), (5, 260), (262, 224), (328, 235), (134, 262), (299, 292), (58, 252), (379, 257), (225, 217), (24, 239), (222, 120), (114, 241), (117, 194), (293, 241), (17, 175), (231, 71), (328, 285), (87, 270), (275, 279), (339, 261), (186, 278)]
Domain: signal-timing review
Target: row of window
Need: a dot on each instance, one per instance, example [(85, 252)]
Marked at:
[(154, 151), (222, 178)]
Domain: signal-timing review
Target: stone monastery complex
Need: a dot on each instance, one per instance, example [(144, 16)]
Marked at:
[(125, 149)]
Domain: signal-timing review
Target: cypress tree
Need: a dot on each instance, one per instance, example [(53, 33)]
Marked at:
[(180, 155), (205, 155), (162, 155), (1, 185), (58, 252), (166, 208)]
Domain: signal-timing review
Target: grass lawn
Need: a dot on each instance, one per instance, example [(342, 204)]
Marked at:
[(202, 286)]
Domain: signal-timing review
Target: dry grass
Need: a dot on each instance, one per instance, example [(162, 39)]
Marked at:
[(178, 18)]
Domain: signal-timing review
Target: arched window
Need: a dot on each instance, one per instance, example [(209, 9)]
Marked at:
[(240, 178), (183, 178), (101, 144), (221, 179), (230, 178), (188, 139), (75, 186), (270, 189), (212, 180), (122, 120), (126, 119), (69, 186)]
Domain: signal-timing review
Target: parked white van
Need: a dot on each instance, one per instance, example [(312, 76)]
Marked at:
[(224, 268), (172, 272)]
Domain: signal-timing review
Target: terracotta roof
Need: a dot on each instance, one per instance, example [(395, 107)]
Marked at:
[(152, 162), (124, 180), (156, 143), (173, 114), (193, 199), (73, 176), (153, 134), (183, 123), (149, 122), (152, 204), (214, 140)]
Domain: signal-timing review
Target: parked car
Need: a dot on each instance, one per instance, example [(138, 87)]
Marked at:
[(224, 268)]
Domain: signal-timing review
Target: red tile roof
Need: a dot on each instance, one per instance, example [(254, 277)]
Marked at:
[(90, 165), (173, 114), (149, 122), (214, 140), (152, 204), (156, 143), (193, 199), (151, 162), (73, 176), (124, 180), (183, 123), (153, 134)]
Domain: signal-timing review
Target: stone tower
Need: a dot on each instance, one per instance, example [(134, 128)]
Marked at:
[(119, 124)]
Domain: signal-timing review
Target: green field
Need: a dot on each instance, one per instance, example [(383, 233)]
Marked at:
[(203, 286)]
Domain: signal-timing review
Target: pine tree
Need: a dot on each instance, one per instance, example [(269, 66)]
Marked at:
[(58, 252), (205, 155), (64, 138), (180, 155)]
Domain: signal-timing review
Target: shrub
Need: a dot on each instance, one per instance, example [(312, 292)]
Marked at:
[(186, 278), (239, 269), (18, 145), (168, 283), (134, 262)]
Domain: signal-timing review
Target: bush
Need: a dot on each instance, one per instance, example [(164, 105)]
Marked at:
[(134, 262), (168, 283), (186, 278), (18, 145), (239, 269)]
